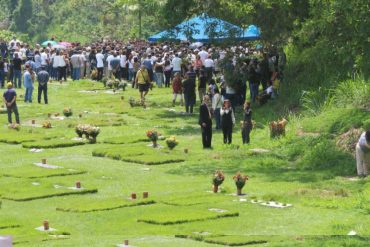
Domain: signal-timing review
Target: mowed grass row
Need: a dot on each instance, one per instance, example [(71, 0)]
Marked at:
[(293, 170)]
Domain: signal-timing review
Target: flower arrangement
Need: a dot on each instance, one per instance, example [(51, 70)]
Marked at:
[(116, 83), (14, 126), (171, 142), (67, 112), (91, 132), (122, 85), (240, 181), (133, 102), (277, 128), (153, 136), (46, 125), (217, 180)]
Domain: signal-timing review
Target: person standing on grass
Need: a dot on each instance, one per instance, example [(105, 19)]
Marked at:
[(177, 89), (17, 70), (227, 121), (247, 123), (202, 86), (142, 80), (29, 77), (189, 94), (43, 79), (10, 100), (100, 64), (363, 154), (205, 122), (216, 107)]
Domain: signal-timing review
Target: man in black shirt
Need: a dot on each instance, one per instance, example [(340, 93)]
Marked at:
[(17, 71), (2, 73)]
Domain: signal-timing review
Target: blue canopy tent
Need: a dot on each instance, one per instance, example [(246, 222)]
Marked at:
[(201, 28), (252, 33)]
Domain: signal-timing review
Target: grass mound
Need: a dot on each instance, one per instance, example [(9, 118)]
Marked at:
[(181, 215), (55, 143), (227, 240), (32, 171), (141, 154)]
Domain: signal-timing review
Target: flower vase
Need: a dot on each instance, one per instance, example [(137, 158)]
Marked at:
[(155, 143), (239, 191), (215, 188)]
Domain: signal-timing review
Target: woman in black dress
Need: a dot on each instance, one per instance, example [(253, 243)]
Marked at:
[(247, 123)]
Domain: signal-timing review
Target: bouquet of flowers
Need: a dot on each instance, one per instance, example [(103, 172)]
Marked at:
[(46, 125), (218, 178), (92, 132), (277, 128), (171, 142), (67, 112), (240, 180), (116, 83), (81, 129), (153, 135), (122, 85)]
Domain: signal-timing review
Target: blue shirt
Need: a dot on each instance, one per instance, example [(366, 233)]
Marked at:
[(148, 64), (9, 95), (28, 83)]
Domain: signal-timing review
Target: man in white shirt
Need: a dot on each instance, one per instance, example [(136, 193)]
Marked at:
[(100, 64), (109, 59), (203, 54), (176, 64), (123, 65), (209, 67)]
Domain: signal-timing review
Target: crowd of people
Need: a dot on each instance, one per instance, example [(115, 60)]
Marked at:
[(191, 70)]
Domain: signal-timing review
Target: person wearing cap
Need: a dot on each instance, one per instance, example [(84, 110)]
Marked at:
[(10, 100), (363, 154)]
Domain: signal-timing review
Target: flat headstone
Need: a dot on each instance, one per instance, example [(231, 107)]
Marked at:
[(273, 204), (36, 150), (56, 186), (6, 241), (41, 229), (122, 245), (77, 139), (352, 233), (47, 166), (259, 150), (88, 91), (75, 188), (35, 183), (218, 210), (58, 117)]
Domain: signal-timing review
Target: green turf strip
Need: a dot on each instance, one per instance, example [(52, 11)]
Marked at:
[(180, 215), (94, 205), (33, 171), (55, 143), (140, 153), (20, 198)]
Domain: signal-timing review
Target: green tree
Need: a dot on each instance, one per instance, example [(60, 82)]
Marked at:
[(21, 16)]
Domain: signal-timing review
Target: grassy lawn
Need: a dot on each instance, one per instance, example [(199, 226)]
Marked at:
[(305, 168)]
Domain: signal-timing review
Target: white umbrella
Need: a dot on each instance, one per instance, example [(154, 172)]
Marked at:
[(196, 45)]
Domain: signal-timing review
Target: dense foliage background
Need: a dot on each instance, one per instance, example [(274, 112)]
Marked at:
[(326, 41)]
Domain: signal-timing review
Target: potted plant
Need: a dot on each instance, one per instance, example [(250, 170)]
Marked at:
[(240, 181), (122, 85), (153, 136), (217, 180), (67, 112), (171, 142)]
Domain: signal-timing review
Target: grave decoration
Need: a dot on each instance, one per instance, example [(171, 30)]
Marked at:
[(240, 181), (90, 132), (277, 128), (46, 125), (171, 142), (133, 102), (153, 136), (217, 180), (67, 112)]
